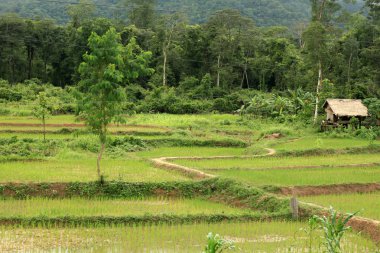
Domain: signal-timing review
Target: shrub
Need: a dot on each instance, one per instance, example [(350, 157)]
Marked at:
[(14, 148), (9, 94)]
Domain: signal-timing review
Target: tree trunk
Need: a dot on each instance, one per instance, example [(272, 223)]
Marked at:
[(349, 70), (319, 85), (242, 80), (218, 77), (164, 70), (45, 67), (30, 60), (100, 158), (246, 77), (44, 126)]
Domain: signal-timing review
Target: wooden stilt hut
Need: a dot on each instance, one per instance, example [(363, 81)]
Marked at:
[(341, 111)]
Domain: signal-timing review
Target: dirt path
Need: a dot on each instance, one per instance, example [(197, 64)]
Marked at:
[(167, 163)]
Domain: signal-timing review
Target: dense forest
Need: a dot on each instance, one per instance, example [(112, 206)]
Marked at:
[(215, 65)]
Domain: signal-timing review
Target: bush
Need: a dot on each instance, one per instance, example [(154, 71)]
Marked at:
[(223, 105), (162, 100), (4, 111), (9, 94), (14, 148), (115, 146)]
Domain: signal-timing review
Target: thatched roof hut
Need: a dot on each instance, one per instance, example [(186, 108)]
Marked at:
[(345, 109)]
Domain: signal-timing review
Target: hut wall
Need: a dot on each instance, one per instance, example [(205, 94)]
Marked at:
[(330, 114)]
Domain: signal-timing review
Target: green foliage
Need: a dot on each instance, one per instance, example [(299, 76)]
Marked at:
[(370, 134), (44, 109), (274, 12), (8, 94), (14, 148), (102, 74), (334, 228), (216, 244)]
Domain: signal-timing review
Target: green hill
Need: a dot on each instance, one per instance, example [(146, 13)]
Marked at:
[(264, 12)]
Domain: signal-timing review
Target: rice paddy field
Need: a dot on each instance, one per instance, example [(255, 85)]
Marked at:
[(251, 237), (81, 207), (282, 162), (368, 205), (238, 155), (302, 177), (82, 170)]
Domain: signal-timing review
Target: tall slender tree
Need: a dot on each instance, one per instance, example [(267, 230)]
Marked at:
[(317, 37), (105, 69)]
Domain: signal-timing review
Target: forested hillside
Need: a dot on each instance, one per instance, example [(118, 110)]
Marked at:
[(220, 64), (264, 12)]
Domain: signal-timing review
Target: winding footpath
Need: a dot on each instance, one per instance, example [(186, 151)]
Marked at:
[(368, 226), (167, 163)]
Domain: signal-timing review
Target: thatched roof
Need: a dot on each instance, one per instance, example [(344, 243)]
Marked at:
[(347, 107)]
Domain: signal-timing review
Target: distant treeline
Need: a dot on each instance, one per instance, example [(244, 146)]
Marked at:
[(227, 53)]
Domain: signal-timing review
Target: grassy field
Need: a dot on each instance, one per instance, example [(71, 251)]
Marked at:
[(317, 142), (285, 161), (271, 237), (84, 170), (368, 205), (79, 207), (191, 151), (299, 177)]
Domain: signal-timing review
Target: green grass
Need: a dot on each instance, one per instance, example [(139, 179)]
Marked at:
[(112, 129), (286, 161), (299, 177), (316, 142), (191, 151), (367, 204), (83, 169), (60, 119), (79, 207), (253, 237)]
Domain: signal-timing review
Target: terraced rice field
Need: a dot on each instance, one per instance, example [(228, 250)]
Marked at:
[(368, 205), (253, 237), (282, 162), (299, 177), (314, 142), (83, 169), (80, 207), (191, 136)]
